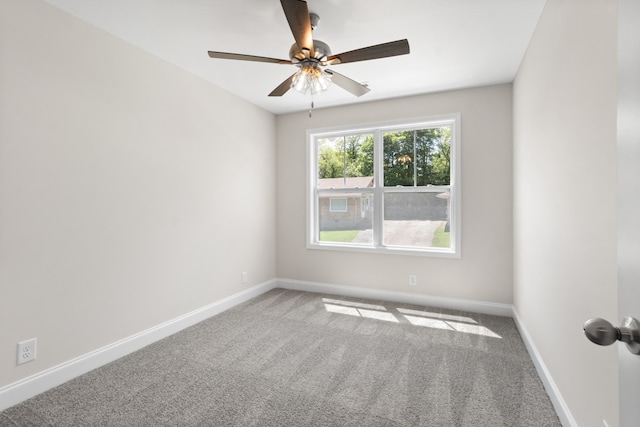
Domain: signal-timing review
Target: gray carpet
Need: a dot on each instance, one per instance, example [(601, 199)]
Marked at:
[(289, 358)]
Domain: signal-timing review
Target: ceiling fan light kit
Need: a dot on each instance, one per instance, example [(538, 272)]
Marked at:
[(310, 55), (311, 79)]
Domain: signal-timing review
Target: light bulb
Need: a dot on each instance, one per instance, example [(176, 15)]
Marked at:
[(311, 79)]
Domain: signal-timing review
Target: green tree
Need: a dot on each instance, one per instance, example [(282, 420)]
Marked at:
[(410, 157), (441, 161), (330, 164), (349, 156), (366, 151), (398, 158), (417, 157)]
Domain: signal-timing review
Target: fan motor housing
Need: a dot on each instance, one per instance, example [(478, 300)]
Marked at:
[(322, 50)]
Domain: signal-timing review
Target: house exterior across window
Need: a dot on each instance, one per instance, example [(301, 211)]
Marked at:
[(358, 210)]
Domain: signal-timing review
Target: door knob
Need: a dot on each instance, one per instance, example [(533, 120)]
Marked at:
[(602, 332)]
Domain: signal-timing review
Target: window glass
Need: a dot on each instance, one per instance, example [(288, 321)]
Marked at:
[(338, 204), (417, 157), (345, 161), (417, 220), (353, 224)]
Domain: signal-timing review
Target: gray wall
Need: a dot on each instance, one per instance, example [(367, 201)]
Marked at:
[(565, 199), (116, 214), (484, 272)]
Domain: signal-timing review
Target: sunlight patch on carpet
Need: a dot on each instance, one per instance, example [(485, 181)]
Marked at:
[(437, 315), (426, 319), (360, 312)]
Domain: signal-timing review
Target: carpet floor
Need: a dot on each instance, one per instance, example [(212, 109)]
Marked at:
[(289, 358)]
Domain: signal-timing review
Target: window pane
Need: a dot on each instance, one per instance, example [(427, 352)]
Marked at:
[(398, 158), (416, 220), (345, 161), (417, 157), (338, 204), (353, 224)]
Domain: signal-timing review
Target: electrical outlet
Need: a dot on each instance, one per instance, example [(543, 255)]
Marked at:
[(27, 351), (245, 277), (413, 280)]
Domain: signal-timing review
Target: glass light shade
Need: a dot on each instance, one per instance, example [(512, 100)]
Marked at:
[(311, 79)]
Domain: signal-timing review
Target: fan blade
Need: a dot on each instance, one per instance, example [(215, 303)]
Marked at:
[(283, 88), (297, 15), (241, 57), (347, 84), (384, 50)]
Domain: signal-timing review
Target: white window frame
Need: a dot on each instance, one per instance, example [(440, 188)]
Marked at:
[(455, 213)]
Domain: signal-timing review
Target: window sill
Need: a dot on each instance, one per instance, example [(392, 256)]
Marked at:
[(386, 250)]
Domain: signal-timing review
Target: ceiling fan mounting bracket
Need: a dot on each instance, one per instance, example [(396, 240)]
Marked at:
[(314, 18)]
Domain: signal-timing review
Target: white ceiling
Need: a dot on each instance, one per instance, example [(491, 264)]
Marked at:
[(454, 43)]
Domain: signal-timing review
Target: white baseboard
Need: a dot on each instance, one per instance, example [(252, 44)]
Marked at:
[(558, 402), (496, 309), (24, 389)]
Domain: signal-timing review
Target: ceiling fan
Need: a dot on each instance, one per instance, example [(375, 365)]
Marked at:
[(309, 55)]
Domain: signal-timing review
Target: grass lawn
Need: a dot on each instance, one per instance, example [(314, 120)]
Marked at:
[(338, 236), (441, 239)]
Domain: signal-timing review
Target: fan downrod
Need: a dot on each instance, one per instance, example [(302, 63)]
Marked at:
[(304, 57)]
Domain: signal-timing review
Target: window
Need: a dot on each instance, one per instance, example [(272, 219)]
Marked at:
[(391, 189), (338, 204)]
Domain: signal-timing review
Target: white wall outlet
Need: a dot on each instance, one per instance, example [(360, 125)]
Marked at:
[(413, 280), (27, 351), (245, 277)]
